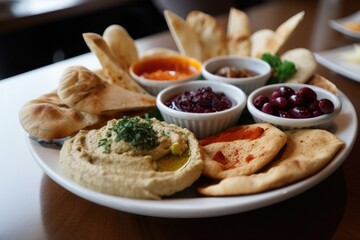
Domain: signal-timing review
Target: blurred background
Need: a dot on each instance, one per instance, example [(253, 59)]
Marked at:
[(35, 33)]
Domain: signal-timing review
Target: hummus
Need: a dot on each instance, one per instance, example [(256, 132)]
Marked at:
[(120, 168)]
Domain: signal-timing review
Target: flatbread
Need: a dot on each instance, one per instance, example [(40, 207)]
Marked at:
[(210, 33), (259, 41), (158, 52), (83, 90), (47, 117), (307, 152), (283, 32), (305, 63), (241, 150), (121, 45), (114, 73), (269, 41), (184, 36), (238, 33), (321, 81)]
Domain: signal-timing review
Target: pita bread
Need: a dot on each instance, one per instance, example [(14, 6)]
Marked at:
[(209, 32), (320, 81), (256, 145), (259, 41), (307, 151), (184, 36), (121, 45), (238, 33), (158, 52), (283, 32), (114, 73), (304, 61), (83, 90), (47, 117), (269, 41)]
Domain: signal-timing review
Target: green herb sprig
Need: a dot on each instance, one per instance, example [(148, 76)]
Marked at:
[(139, 133), (281, 70)]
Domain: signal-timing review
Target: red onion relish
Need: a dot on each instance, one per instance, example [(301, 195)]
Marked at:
[(202, 100)]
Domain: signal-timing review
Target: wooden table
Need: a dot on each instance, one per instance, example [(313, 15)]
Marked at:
[(32, 206)]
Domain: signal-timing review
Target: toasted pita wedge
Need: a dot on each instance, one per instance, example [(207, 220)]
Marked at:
[(238, 33), (320, 81), (83, 90), (47, 117), (210, 33), (115, 73), (184, 36), (304, 61), (259, 41), (306, 153), (158, 52), (121, 45), (283, 32), (269, 41), (241, 150)]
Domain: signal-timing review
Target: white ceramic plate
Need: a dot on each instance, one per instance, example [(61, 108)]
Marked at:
[(188, 204), (338, 25), (334, 60)]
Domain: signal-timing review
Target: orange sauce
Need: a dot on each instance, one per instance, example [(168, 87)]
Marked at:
[(167, 68)]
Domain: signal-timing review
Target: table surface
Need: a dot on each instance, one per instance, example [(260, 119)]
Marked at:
[(33, 206)]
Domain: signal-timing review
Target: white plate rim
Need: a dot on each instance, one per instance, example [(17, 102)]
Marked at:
[(346, 130), (331, 59), (338, 25)]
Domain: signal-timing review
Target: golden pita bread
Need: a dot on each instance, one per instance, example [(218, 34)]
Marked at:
[(284, 31), (114, 73), (121, 45), (304, 61), (259, 41), (241, 150), (83, 90), (307, 151), (158, 52), (184, 36), (238, 33), (320, 81), (269, 41), (209, 32), (47, 117)]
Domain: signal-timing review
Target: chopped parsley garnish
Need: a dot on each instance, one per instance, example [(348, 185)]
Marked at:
[(139, 133), (281, 70)]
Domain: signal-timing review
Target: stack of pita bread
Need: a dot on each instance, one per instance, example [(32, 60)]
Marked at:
[(261, 157), (201, 36), (88, 99)]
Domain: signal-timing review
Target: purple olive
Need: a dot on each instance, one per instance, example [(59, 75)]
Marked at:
[(326, 105), (300, 112), (260, 100)]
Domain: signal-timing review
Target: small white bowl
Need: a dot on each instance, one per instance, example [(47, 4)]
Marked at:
[(203, 124), (172, 63), (261, 68), (323, 121)]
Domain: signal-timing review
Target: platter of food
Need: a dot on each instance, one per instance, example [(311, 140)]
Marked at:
[(349, 25), (189, 204), (188, 147), (343, 60)]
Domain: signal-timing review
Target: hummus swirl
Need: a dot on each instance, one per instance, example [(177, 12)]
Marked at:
[(128, 171)]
